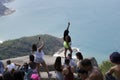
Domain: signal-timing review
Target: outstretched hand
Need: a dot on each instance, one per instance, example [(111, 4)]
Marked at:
[(68, 23)]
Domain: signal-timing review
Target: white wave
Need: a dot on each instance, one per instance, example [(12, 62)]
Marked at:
[(1, 41), (60, 52)]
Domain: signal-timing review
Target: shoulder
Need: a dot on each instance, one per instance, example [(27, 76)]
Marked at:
[(93, 75), (95, 72), (112, 68)]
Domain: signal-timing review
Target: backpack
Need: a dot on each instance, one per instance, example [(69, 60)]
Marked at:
[(1, 67), (109, 77), (35, 76)]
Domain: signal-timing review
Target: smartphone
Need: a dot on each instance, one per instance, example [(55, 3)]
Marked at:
[(39, 38)]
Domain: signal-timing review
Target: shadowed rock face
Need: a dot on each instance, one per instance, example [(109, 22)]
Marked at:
[(93, 61)]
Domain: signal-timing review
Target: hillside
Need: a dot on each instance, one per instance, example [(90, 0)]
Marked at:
[(105, 66), (22, 46)]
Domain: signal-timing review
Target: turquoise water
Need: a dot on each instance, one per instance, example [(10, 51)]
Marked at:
[(94, 23)]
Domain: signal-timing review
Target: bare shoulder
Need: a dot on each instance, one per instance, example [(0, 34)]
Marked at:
[(94, 76), (113, 68)]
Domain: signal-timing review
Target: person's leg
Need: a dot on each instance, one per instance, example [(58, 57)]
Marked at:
[(46, 68), (65, 52), (38, 68), (70, 49)]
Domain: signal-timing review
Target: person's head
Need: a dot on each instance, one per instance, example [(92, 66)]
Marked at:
[(79, 55), (8, 62), (25, 65), (69, 56), (83, 74), (34, 47), (31, 58), (86, 64), (8, 76), (58, 63), (67, 38), (67, 61), (32, 65), (18, 75), (115, 57)]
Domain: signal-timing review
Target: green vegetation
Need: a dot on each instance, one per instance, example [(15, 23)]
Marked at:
[(105, 66), (22, 46)]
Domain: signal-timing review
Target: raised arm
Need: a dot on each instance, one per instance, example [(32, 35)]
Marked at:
[(41, 47), (68, 25)]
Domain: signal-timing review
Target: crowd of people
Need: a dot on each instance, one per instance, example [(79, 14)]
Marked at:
[(83, 67)]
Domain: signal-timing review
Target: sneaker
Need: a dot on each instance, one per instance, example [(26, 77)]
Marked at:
[(49, 75)]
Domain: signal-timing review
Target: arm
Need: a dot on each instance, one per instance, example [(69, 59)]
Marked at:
[(18, 66), (68, 26), (111, 70), (41, 47)]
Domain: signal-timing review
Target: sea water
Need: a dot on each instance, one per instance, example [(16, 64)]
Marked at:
[(94, 23)]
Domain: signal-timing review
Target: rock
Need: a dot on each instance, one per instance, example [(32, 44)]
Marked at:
[(93, 61)]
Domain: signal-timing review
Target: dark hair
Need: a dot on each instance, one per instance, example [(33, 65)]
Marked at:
[(8, 76), (82, 71), (68, 38), (66, 32), (34, 47), (25, 67), (1, 78), (58, 64), (115, 57), (70, 55), (31, 58), (8, 61), (18, 75), (67, 61), (79, 54), (32, 65), (86, 62)]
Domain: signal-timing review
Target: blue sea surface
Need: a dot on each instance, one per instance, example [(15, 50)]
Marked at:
[(95, 24)]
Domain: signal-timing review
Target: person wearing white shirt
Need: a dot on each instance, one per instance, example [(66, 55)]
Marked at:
[(12, 66), (38, 53)]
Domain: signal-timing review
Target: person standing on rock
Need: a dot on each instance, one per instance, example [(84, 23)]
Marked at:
[(67, 41), (38, 53)]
